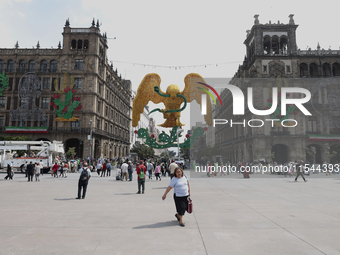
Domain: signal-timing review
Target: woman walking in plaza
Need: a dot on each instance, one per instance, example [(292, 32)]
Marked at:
[(181, 187), (158, 172)]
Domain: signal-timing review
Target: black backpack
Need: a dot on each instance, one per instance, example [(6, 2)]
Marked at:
[(84, 175)]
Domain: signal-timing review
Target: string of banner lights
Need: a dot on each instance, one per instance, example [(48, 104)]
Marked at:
[(175, 67)]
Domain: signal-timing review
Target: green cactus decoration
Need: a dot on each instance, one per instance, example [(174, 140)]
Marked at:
[(4, 84), (63, 100), (168, 141)]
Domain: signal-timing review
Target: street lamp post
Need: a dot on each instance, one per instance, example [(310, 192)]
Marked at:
[(178, 131), (90, 141)]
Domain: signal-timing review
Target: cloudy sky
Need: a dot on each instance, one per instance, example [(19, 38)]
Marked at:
[(166, 35)]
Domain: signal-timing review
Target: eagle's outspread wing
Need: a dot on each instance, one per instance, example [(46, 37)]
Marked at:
[(191, 92), (145, 94)]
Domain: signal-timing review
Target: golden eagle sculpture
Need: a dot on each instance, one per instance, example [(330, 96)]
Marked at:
[(149, 90)]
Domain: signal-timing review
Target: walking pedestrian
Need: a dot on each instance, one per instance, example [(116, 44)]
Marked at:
[(158, 172), (103, 169), (130, 170), (150, 168), (41, 167), (124, 169), (30, 171), (181, 187), (55, 169), (85, 175), (172, 168), (108, 168), (37, 171), (99, 167), (299, 171), (9, 171), (141, 171)]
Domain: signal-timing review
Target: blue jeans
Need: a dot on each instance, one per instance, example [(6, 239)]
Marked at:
[(130, 175)]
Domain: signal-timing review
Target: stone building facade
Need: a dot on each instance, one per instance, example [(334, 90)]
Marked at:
[(274, 60), (104, 96)]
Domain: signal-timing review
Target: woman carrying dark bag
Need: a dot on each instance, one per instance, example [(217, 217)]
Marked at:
[(181, 187)]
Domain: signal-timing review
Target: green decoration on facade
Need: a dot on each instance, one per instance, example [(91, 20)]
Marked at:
[(168, 141), (64, 101), (4, 84)]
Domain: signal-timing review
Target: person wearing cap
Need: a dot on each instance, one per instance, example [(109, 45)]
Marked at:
[(141, 170)]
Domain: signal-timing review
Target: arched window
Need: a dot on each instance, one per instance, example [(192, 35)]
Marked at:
[(80, 44), (275, 44), (326, 69), (336, 69), (2, 65), (53, 66), (266, 45), (86, 44), (284, 45), (303, 70), (43, 66), (31, 66), (22, 65), (73, 44), (10, 66), (313, 70)]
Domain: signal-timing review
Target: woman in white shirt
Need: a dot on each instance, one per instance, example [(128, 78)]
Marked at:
[(181, 187)]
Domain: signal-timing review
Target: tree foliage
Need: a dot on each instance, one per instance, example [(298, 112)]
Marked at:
[(143, 150), (71, 152)]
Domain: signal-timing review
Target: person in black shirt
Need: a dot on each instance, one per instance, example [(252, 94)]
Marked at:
[(30, 171)]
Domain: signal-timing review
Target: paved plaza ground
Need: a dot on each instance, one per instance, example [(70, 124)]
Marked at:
[(266, 214)]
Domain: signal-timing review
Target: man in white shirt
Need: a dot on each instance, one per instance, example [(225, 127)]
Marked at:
[(83, 180), (124, 168), (41, 166), (150, 168), (172, 168)]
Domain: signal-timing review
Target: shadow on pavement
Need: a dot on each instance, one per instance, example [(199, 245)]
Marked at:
[(160, 188), (159, 225), (64, 199)]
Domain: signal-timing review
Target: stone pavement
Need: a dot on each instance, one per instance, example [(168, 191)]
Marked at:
[(266, 214)]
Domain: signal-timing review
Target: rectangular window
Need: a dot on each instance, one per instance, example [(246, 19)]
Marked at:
[(107, 94), (106, 111), (99, 89), (51, 121), (75, 124), (78, 64), (98, 123), (53, 83), (2, 121), (2, 102), (264, 69), (77, 83), (288, 69), (15, 103), (312, 124), (98, 107), (8, 103), (43, 123), (17, 80), (105, 127), (2, 66), (45, 102), (46, 83)]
